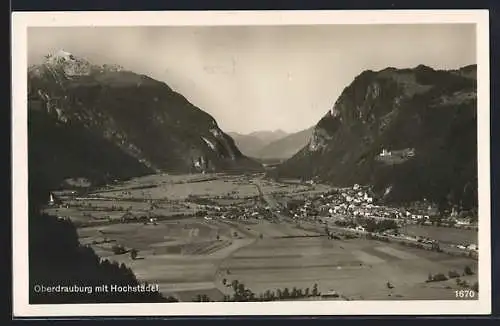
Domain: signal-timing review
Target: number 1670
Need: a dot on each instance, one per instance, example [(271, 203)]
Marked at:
[(465, 294)]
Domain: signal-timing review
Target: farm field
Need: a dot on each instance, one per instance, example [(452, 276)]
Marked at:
[(357, 268), (443, 234), (189, 255)]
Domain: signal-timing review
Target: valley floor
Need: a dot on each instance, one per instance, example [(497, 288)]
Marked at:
[(188, 253)]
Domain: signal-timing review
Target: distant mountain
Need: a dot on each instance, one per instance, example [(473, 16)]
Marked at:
[(269, 136), (251, 144), (410, 133), (287, 146), (102, 122)]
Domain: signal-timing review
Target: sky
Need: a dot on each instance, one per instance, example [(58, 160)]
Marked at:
[(252, 78)]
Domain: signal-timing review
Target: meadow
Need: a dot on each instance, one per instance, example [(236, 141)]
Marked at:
[(190, 255)]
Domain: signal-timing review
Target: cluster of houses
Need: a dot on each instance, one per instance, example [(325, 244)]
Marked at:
[(357, 201), (349, 202), (468, 246), (408, 152), (210, 212)]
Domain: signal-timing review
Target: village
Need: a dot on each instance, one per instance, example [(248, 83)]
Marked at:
[(352, 209), (254, 225), (355, 208)]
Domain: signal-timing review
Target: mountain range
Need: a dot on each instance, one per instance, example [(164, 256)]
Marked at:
[(102, 121), (271, 144), (410, 133)]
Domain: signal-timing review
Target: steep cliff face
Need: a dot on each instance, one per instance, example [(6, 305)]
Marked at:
[(411, 133), (103, 121)]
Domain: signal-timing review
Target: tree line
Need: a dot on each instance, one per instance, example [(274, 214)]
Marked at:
[(56, 257), (243, 294)]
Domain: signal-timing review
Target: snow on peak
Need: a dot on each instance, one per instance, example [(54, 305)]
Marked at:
[(64, 54), (60, 56), (71, 65)]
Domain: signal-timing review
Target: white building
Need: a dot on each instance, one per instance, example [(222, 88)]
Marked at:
[(385, 153), (473, 246)]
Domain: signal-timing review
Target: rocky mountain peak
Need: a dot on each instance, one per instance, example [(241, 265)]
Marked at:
[(422, 111), (102, 120), (69, 64)]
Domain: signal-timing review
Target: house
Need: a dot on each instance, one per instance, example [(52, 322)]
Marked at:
[(473, 246), (53, 200), (355, 187), (462, 222), (385, 153), (360, 228)]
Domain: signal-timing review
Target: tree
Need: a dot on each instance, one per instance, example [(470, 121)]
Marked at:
[(294, 293), (279, 294), (235, 284), (306, 292), (118, 249), (439, 277), (261, 236), (315, 291), (218, 237), (286, 293), (241, 288), (475, 287), (171, 299), (224, 281), (133, 254), (468, 270)]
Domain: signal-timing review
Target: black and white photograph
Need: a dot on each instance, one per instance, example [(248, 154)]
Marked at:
[(199, 163)]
